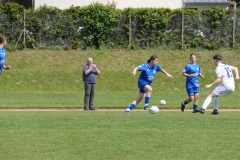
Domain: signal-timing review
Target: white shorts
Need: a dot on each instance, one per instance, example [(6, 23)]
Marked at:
[(223, 90)]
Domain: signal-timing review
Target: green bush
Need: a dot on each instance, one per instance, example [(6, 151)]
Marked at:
[(105, 27)]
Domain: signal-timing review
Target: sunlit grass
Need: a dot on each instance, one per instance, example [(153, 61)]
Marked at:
[(61, 71), (111, 100), (113, 135)]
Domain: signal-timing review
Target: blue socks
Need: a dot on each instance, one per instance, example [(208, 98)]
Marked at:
[(185, 102), (131, 106), (147, 99), (195, 106)]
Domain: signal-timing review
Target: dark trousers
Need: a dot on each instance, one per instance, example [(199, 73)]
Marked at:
[(89, 95)]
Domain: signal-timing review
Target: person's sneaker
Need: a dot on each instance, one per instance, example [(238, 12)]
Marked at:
[(200, 110), (146, 108), (127, 111), (215, 111), (182, 107), (194, 111)]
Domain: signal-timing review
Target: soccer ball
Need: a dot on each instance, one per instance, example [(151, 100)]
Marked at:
[(154, 110), (162, 102)]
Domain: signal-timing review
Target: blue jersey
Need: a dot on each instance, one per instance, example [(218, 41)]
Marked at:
[(192, 82), (148, 73), (2, 59)]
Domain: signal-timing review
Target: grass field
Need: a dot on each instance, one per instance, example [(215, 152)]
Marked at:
[(103, 100), (112, 135), (50, 80)]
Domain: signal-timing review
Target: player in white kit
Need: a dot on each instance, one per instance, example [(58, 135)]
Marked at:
[(227, 86)]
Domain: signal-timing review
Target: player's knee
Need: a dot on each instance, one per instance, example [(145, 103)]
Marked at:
[(150, 89), (191, 98)]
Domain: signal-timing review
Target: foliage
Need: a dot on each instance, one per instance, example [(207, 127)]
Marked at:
[(106, 27), (99, 23), (11, 21)]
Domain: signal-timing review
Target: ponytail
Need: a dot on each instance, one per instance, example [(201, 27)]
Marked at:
[(151, 58)]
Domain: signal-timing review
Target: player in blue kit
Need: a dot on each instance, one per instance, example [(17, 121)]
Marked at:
[(3, 42), (192, 71), (148, 73)]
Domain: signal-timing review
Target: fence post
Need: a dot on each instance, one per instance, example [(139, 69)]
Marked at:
[(24, 32), (183, 24), (182, 27), (234, 23), (24, 29), (130, 34)]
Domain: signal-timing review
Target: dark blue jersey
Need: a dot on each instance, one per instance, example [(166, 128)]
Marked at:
[(2, 59), (148, 73), (192, 82)]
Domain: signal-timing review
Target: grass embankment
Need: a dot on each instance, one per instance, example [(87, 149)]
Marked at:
[(42, 78)]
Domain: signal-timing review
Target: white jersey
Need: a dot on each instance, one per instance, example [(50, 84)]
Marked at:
[(227, 86), (224, 72)]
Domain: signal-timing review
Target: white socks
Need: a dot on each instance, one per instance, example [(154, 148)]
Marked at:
[(216, 103), (206, 102)]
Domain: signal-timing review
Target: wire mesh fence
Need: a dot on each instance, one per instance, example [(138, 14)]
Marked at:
[(58, 30)]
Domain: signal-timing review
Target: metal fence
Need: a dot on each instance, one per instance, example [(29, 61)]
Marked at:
[(61, 30)]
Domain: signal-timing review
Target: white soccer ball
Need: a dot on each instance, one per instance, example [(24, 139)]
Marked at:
[(154, 110), (162, 102)]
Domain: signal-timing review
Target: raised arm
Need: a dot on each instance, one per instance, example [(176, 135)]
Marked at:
[(97, 71), (88, 70)]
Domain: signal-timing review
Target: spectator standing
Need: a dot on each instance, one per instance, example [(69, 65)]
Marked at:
[(90, 71)]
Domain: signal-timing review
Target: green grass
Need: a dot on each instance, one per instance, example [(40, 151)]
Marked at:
[(61, 71), (103, 100), (112, 135), (50, 79)]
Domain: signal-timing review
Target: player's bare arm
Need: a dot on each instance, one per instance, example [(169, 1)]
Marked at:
[(201, 75), (235, 69), (7, 67), (218, 80), (134, 71), (188, 75), (167, 74)]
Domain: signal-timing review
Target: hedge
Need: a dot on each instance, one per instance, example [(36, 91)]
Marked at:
[(104, 26)]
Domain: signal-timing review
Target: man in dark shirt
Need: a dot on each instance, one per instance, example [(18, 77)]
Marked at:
[(89, 77)]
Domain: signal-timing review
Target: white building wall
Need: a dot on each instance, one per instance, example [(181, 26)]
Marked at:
[(121, 4)]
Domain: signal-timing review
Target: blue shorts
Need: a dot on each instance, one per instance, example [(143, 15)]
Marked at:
[(142, 85), (192, 91)]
